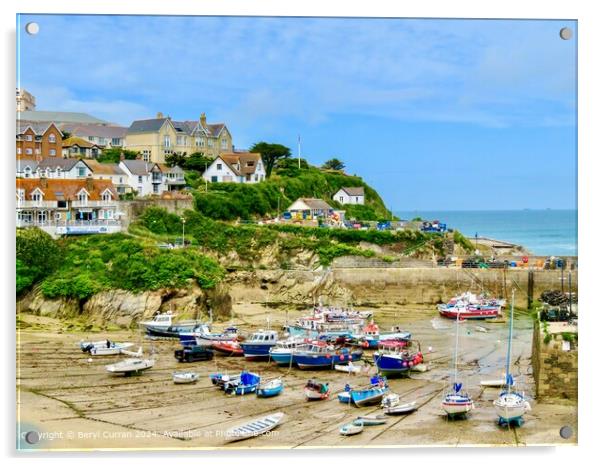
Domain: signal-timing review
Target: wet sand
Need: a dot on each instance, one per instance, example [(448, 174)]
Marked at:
[(78, 405)]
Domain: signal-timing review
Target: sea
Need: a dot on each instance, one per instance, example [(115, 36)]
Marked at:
[(547, 232)]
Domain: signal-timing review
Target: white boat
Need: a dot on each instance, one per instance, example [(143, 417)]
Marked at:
[(164, 325), (348, 368), (254, 428), (130, 366), (496, 383), (389, 400), (398, 409), (352, 428), (185, 377), (455, 402), (371, 420), (510, 405), (103, 347)]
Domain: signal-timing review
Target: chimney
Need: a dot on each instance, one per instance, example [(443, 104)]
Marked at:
[(203, 119), (121, 156), (159, 115), (43, 182), (89, 184)]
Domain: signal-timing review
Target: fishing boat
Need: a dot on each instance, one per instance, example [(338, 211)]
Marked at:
[(184, 377), (372, 394), (371, 420), (315, 390), (351, 428), (455, 402), (397, 357), (269, 389), (258, 345), (228, 348), (370, 336), (243, 385), (220, 380), (201, 335), (328, 322), (254, 428), (399, 409), (511, 404), (469, 306), (323, 356), (348, 368), (163, 325), (103, 347), (282, 352), (130, 366)]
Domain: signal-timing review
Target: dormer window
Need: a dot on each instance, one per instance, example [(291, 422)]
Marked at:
[(106, 196), (36, 196), (82, 197), (52, 138), (20, 194)]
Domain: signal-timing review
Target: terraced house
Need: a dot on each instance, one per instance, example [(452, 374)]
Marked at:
[(38, 139), (159, 137)]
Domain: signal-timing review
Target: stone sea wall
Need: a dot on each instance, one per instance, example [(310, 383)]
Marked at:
[(555, 366)]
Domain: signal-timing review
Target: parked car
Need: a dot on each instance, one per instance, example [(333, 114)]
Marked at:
[(193, 353)]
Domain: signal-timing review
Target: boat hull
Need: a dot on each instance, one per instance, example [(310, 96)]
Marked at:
[(312, 395), (281, 358), (256, 351), (326, 361), (269, 391), (173, 331), (481, 314), (227, 349), (511, 407), (368, 397), (390, 365), (457, 404)]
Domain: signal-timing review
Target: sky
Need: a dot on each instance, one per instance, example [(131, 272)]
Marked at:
[(435, 114)]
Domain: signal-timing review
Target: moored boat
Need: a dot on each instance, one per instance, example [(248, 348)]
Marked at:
[(371, 420), (323, 356), (246, 383), (315, 390), (103, 347), (399, 409), (185, 377), (351, 428), (164, 325), (220, 380), (228, 348), (348, 368), (201, 335), (282, 352), (372, 394), (254, 428), (130, 366), (258, 345), (270, 388), (397, 357)]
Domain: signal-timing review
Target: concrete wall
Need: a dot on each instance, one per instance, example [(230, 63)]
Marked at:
[(555, 371), (133, 209)]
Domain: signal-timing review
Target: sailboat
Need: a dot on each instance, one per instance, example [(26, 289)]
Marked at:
[(511, 404), (456, 402)]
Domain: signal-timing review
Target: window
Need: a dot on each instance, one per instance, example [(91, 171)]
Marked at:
[(156, 188), (81, 172), (28, 151), (219, 166), (121, 180), (61, 204), (200, 142), (52, 138), (181, 140), (57, 215), (102, 141), (341, 199), (116, 141), (224, 143), (28, 137), (20, 194), (42, 216), (82, 197), (37, 197), (210, 142), (52, 152), (139, 179), (214, 179), (146, 155), (106, 196), (27, 172), (91, 138), (166, 141), (47, 173), (19, 150)]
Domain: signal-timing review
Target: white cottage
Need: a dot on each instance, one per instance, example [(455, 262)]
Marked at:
[(236, 167), (353, 195)]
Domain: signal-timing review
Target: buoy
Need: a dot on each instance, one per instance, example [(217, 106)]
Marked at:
[(89, 359), (431, 349)]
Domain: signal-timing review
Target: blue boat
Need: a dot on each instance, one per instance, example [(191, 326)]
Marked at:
[(258, 345), (220, 380), (269, 389), (247, 383), (345, 396), (397, 357), (372, 395), (320, 356), (282, 352)]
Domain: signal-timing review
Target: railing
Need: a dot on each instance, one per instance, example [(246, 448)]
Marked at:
[(69, 223), (36, 204), (94, 203)]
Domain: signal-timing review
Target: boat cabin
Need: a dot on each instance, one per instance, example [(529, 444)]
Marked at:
[(264, 336)]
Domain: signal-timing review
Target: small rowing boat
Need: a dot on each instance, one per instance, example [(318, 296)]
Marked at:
[(315, 390), (254, 428), (371, 420), (103, 347), (220, 380), (185, 377), (399, 409), (228, 348), (351, 429), (348, 368), (245, 384), (268, 389), (130, 366)]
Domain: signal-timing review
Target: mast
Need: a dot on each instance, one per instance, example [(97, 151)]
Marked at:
[(456, 348), (509, 342)]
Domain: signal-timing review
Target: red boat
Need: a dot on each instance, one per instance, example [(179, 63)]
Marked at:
[(470, 312), (229, 348)]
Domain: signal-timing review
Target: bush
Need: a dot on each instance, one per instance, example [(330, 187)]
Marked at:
[(37, 256)]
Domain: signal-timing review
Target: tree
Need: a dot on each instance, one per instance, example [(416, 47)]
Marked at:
[(270, 154), (66, 134), (197, 162), (113, 155), (37, 256), (174, 159), (333, 164)]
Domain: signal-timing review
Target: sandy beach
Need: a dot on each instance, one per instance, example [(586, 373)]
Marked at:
[(76, 404)]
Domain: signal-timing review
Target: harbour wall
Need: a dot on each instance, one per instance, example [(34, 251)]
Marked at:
[(555, 364)]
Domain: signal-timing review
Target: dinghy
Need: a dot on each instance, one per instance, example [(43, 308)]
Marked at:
[(371, 420), (315, 390), (269, 389), (352, 428), (220, 380), (103, 347), (348, 368), (185, 377), (228, 348), (495, 383), (390, 399), (372, 395), (246, 383), (254, 428), (399, 409), (130, 366)]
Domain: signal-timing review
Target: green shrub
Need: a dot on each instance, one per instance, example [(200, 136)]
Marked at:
[(37, 255)]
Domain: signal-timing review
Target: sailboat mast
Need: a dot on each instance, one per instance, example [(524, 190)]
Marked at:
[(456, 348), (509, 342)]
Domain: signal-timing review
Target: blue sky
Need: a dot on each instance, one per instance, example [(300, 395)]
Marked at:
[(436, 114)]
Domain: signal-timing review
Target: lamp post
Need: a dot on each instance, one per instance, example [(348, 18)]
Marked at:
[(183, 225)]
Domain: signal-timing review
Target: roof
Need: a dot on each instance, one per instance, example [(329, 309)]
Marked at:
[(146, 126), (354, 191), (58, 162), (59, 117), (60, 189), (38, 127), (75, 141), (167, 169), (314, 204), (243, 159), (102, 131), (23, 162), (104, 168), (184, 126), (138, 167), (215, 129)]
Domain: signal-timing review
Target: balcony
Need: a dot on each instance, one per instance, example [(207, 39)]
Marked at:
[(94, 204), (73, 227), (36, 204), (175, 181)]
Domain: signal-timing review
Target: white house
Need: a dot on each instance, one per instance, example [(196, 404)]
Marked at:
[(145, 177), (353, 195), (52, 167), (309, 208), (236, 167)]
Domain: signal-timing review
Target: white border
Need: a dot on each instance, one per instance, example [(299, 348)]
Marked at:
[(590, 40)]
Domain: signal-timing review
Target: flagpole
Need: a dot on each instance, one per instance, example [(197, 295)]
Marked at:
[(299, 151)]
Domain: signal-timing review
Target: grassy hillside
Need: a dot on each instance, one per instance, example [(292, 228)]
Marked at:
[(230, 201)]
